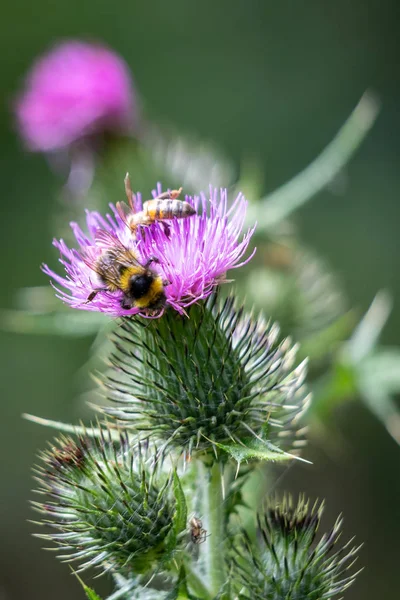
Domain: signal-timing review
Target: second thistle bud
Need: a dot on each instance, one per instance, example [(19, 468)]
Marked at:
[(107, 507), (288, 564)]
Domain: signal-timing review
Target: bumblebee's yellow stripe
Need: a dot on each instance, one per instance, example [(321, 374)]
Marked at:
[(126, 275)]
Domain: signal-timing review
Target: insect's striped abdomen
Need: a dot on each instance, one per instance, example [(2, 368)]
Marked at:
[(167, 209)]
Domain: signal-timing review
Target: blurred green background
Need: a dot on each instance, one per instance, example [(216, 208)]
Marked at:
[(272, 81)]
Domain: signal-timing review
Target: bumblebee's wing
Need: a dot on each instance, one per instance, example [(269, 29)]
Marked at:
[(123, 211), (108, 271), (104, 266), (101, 263), (108, 241), (115, 249)]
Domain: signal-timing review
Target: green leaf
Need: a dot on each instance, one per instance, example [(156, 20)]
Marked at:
[(71, 324), (256, 448), (373, 377), (180, 517), (94, 432), (382, 369), (180, 591), (181, 508), (337, 386), (366, 334), (378, 379), (280, 204), (224, 593), (91, 594)]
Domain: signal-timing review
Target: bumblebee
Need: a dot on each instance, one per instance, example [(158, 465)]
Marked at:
[(198, 535), (164, 207), (119, 270)]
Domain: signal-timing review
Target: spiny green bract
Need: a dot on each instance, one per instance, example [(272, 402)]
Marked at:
[(216, 377), (286, 565), (107, 506)]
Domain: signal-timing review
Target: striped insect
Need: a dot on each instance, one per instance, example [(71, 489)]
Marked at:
[(164, 207), (119, 270)]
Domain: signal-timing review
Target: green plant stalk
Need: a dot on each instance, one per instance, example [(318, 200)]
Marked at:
[(197, 586), (216, 530)]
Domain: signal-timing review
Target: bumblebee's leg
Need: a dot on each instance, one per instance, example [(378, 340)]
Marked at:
[(93, 294), (126, 303), (175, 193), (172, 195), (166, 282), (152, 259)]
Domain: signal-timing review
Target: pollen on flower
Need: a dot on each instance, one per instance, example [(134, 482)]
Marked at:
[(178, 265)]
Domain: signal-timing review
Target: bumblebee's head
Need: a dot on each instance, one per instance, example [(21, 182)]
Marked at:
[(147, 291)]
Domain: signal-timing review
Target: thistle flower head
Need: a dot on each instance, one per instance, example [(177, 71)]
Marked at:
[(219, 377), (106, 505), (288, 564), (76, 90), (191, 255)]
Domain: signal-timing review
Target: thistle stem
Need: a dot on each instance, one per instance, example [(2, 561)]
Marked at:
[(197, 586), (216, 530)]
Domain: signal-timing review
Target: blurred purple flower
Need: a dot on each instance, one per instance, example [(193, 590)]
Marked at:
[(193, 255), (75, 91)]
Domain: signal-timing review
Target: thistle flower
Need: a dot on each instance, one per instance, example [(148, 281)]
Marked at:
[(217, 379), (106, 505), (75, 91), (192, 255), (288, 565)]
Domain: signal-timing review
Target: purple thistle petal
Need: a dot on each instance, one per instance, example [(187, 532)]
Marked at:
[(74, 91), (193, 256)]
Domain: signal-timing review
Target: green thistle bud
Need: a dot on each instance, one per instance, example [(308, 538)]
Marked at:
[(107, 506), (299, 290), (216, 377), (288, 565)]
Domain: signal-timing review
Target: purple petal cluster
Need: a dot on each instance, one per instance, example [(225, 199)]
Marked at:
[(75, 91), (193, 254)]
